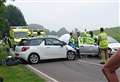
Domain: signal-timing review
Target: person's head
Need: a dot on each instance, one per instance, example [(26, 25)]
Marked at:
[(91, 33), (101, 29), (71, 34)]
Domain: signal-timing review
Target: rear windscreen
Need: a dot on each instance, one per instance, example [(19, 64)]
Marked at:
[(24, 42)]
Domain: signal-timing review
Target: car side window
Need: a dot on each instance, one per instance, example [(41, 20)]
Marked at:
[(52, 41), (35, 42)]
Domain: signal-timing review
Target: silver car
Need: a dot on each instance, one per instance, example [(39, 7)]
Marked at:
[(93, 50), (113, 46), (87, 49)]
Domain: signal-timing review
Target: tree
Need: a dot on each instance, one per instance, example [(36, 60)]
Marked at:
[(62, 31), (2, 2), (3, 20), (52, 33), (14, 16)]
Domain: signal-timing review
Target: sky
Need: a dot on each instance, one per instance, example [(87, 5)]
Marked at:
[(81, 14)]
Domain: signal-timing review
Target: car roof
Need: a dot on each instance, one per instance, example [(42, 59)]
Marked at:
[(111, 39), (44, 37), (51, 36)]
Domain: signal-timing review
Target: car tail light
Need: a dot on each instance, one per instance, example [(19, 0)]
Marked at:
[(24, 49)]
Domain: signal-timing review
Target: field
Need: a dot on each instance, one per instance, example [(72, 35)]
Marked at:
[(114, 32)]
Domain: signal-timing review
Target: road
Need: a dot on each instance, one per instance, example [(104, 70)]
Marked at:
[(81, 70)]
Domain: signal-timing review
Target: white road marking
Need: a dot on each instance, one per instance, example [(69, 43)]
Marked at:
[(45, 75), (88, 62)]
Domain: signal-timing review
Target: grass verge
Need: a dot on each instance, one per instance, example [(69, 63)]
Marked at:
[(18, 73)]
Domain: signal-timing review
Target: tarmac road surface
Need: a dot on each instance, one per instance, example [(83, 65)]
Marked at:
[(82, 70)]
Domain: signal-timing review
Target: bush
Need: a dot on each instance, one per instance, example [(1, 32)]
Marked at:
[(3, 51)]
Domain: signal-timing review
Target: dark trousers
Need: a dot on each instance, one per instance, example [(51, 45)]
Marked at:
[(78, 53), (1, 79)]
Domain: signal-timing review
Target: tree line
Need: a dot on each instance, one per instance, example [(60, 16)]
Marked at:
[(10, 15)]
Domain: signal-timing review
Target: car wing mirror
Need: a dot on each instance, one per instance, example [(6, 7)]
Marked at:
[(61, 45), (64, 43)]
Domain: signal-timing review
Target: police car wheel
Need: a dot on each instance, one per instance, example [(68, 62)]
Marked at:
[(33, 58), (71, 55)]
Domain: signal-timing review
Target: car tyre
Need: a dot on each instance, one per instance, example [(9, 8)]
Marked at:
[(33, 58), (71, 55)]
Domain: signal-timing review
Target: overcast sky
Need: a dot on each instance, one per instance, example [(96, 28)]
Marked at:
[(55, 14)]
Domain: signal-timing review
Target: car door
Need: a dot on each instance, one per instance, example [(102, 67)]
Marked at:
[(89, 49), (54, 48)]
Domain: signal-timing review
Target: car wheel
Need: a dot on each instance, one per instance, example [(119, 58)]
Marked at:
[(71, 55), (33, 58)]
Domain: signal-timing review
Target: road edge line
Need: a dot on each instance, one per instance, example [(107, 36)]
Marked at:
[(36, 71), (83, 61)]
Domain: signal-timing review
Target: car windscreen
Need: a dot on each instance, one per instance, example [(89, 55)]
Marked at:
[(30, 42), (112, 40), (21, 34)]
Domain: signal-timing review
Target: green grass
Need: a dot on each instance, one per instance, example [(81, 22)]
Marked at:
[(17, 73), (114, 32), (3, 52)]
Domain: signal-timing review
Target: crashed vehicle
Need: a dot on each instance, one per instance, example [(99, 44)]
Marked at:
[(35, 49), (93, 50)]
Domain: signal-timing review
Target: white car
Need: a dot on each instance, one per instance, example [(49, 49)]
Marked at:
[(113, 45), (36, 49)]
